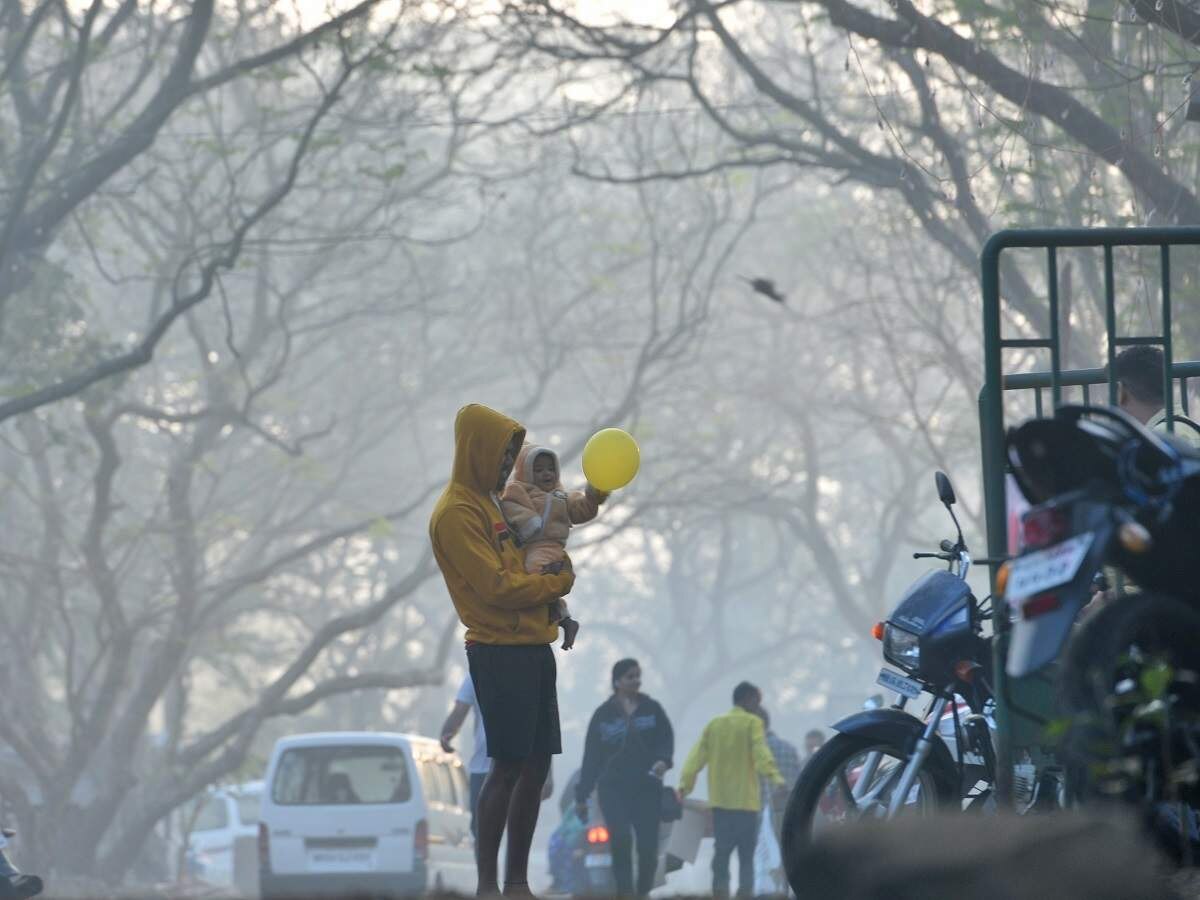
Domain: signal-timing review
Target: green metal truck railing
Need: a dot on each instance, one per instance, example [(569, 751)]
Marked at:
[(1024, 705)]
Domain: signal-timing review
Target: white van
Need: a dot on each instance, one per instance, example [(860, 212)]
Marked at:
[(364, 812), (221, 831)]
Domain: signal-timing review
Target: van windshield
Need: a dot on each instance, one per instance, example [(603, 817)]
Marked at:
[(318, 776)]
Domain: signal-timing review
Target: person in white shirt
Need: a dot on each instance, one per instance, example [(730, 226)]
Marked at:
[(479, 764)]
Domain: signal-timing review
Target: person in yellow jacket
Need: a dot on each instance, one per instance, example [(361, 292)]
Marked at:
[(509, 631), (734, 747)]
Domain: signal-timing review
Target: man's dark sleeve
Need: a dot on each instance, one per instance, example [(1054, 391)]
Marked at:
[(590, 770), (666, 737)]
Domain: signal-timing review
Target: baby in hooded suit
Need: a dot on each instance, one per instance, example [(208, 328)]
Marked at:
[(541, 514)]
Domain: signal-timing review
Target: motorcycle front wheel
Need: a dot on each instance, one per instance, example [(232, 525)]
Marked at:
[(852, 778)]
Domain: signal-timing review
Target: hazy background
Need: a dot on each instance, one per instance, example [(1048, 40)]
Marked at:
[(255, 257)]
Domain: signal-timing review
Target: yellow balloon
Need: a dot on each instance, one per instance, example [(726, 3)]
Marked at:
[(610, 459)]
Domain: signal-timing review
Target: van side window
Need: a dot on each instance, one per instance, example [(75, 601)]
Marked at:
[(341, 775)]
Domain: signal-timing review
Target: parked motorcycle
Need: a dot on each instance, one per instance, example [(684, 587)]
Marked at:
[(886, 762), (1108, 491)]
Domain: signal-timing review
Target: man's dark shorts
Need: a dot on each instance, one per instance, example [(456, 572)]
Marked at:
[(515, 686)]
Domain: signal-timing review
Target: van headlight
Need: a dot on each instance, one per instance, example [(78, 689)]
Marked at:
[(901, 648)]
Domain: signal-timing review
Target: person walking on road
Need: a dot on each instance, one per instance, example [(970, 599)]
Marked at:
[(734, 748), (768, 863), (814, 740), (787, 760), (478, 765), (630, 745)]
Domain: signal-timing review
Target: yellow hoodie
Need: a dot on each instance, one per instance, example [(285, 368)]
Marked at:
[(484, 571)]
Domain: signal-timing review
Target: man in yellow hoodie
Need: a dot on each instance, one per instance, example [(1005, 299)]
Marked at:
[(734, 747), (509, 632)]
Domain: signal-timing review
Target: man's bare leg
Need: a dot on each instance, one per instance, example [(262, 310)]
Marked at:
[(522, 820), (495, 798)]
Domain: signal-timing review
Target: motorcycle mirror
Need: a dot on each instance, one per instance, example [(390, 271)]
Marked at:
[(946, 493), (944, 488)]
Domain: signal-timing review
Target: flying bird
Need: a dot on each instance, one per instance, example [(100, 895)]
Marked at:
[(766, 287)]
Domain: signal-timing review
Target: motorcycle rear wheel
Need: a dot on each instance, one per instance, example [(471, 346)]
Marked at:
[(828, 769)]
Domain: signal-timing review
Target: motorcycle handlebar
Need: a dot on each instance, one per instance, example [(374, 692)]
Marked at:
[(951, 557)]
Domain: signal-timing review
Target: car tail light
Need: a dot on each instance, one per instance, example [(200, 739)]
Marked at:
[(1039, 605), (1042, 527), (421, 840), (264, 846), (597, 834)]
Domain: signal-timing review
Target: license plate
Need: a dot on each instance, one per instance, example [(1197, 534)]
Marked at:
[(898, 683), (341, 860), (1047, 568), (596, 860)]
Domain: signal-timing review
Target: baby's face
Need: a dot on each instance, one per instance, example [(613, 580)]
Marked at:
[(545, 472)]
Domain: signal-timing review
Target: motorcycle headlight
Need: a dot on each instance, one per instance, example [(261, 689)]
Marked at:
[(901, 648)]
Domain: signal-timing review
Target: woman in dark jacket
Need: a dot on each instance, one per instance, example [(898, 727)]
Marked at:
[(629, 746)]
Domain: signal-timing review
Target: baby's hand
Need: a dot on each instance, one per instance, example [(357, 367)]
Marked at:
[(570, 628), (553, 568)]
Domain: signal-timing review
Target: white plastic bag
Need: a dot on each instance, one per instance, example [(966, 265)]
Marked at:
[(768, 861)]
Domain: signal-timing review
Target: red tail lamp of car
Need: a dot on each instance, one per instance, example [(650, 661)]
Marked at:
[(597, 834)]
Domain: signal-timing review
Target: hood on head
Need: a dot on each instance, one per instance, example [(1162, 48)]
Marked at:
[(523, 469), (480, 436)]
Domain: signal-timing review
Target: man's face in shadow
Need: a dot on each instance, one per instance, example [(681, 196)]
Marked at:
[(508, 460)]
